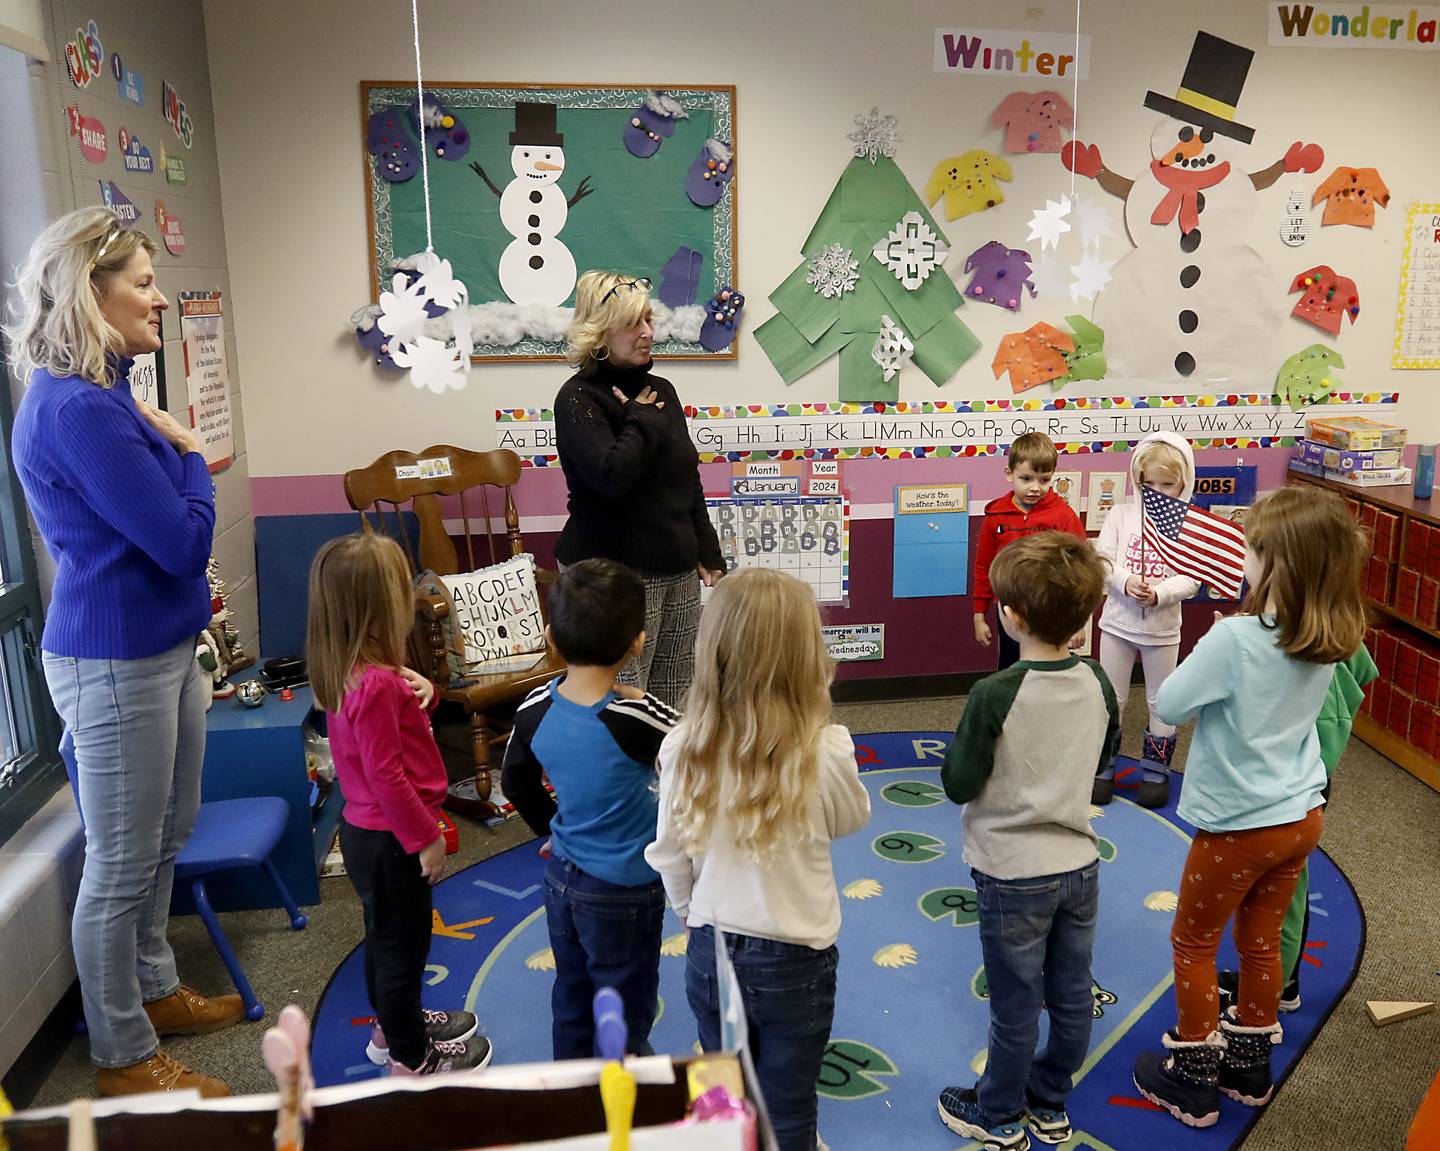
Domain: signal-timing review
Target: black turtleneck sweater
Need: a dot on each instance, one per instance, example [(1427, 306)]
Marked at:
[(634, 475)]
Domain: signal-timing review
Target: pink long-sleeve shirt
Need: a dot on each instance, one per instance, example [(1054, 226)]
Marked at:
[(386, 759)]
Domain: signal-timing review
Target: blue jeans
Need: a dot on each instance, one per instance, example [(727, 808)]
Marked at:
[(789, 994), (1036, 936), (139, 731), (603, 935)]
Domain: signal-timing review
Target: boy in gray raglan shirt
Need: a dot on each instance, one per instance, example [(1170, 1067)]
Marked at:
[(1022, 761)]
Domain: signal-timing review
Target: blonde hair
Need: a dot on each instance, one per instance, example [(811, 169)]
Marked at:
[(595, 315), (1157, 454), (1310, 552), (361, 609), (754, 717), (55, 321)]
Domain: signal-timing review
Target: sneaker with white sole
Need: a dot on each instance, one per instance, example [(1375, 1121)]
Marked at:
[(1047, 1122), (440, 1027), (960, 1111), (1229, 984), (443, 1057)]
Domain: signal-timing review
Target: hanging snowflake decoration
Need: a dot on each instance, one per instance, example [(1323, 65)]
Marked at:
[(911, 250), (1048, 224), (422, 323), (892, 349), (833, 271), (1051, 280), (1091, 275), (402, 309), (1094, 222), (874, 136)]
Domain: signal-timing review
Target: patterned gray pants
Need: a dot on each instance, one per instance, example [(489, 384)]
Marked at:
[(672, 621)]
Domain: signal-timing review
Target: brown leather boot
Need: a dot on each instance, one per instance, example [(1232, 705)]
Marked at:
[(158, 1073), (187, 1012)]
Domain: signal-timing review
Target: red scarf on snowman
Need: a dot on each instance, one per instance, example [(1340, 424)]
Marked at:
[(1182, 193)]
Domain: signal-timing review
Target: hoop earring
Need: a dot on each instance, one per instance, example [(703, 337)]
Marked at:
[(598, 349)]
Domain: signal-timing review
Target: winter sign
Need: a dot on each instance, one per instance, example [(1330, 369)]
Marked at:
[(498, 609), (1011, 55), (1194, 301), (207, 374)]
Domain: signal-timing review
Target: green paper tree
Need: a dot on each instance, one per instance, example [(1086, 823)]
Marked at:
[(808, 327)]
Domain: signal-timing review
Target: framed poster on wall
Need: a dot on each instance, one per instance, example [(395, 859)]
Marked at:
[(532, 185)]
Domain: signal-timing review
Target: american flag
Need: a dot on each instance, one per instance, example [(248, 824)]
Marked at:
[(1194, 542)]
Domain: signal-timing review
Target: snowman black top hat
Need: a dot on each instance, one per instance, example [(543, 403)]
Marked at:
[(1210, 88), (535, 125)]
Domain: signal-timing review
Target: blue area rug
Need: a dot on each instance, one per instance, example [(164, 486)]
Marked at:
[(912, 1014)]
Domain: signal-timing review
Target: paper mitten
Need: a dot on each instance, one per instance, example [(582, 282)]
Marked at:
[(709, 173)]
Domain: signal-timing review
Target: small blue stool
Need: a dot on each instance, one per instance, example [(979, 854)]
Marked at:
[(228, 833)]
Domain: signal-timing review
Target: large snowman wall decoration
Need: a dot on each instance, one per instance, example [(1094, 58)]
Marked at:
[(536, 267), (1193, 301)]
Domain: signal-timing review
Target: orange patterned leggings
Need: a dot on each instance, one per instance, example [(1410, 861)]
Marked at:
[(1249, 875)]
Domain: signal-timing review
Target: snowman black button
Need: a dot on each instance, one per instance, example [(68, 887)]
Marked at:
[(537, 262), (1184, 363), (1190, 240), (1189, 276), (535, 196), (1189, 321)]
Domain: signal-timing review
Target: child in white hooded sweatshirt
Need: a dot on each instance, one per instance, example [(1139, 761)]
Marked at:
[(1141, 615)]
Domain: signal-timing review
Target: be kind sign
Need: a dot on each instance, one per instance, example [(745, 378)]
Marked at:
[(498, 610)]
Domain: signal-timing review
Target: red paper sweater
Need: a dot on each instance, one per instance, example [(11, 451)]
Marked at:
[(1005, 523)]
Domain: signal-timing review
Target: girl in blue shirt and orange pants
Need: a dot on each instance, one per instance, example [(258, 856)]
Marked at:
[(1252, 789)]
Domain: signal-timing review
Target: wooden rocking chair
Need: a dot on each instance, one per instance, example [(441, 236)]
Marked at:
[(368, 489)]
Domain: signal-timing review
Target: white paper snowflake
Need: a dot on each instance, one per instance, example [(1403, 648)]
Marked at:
[(833, 271), (402, 309), (911, 250), (1051, 280), (892, 349), (1048, 224), (438, 282), (1094, 221), (1091, 275), (874, 136), (433, 363)]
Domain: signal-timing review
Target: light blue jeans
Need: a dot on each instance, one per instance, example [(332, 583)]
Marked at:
[(139, 731)]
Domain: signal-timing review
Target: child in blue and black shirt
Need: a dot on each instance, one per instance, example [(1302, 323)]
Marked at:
[(598, 742)]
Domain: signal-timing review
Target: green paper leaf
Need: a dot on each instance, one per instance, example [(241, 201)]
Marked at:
[(790, 352), (941, 351)]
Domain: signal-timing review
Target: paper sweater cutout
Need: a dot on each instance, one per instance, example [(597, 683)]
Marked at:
[(1086, 360), (1001, 275), (1032, 357), (1328, 297), (893, 348), (1350, 196), (911, 250), (968, 183), (874, 136), (1032, 121), (833, 271), (1308, 375)]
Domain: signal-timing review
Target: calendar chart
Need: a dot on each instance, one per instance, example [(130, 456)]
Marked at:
[(805, 536)]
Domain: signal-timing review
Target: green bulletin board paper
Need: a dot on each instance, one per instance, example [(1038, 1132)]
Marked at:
[(918, 311), (861, 380), (810, 312), (940, 351), (872, 194), (790, 352)]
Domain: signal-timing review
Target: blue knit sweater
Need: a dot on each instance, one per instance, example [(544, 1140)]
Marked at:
[(128, 521)]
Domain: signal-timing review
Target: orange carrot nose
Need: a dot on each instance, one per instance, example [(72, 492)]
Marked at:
[(1183, 150), (541, 166)]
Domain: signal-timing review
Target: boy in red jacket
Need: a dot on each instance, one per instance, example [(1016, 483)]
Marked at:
[(1029, 507)]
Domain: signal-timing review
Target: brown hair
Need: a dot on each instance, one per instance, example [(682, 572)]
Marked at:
[(1033, 448), (1052, 580), (1310, 553), (754, 716), (360, 611)]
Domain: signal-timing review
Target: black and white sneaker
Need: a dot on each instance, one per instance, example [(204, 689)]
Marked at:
[(1229, 982), (440, 1027), (1047, 1122), (442, 1058), (960, 1111)]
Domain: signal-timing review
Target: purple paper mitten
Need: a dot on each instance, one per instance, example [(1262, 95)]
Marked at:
[(389, 141), (680, 278), (1001, 275), (447, 137), (722, 313), (652, 123), (710, 172)]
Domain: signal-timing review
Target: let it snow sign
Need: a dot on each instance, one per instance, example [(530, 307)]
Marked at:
[(1010, 54)]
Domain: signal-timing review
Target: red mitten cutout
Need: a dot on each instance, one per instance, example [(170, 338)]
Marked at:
[(1082, 159), (1304, 157)]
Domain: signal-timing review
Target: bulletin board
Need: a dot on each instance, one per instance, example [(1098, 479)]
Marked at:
[(632, 215)]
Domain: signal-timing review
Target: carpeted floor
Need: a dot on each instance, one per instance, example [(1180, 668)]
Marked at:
[(1357, 1085)]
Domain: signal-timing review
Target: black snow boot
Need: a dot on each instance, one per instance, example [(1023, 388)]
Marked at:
[(1245, 1066), (1183, 1079), (1158, 751)]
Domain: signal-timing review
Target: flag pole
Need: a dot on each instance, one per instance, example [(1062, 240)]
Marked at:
[(1141, 494)]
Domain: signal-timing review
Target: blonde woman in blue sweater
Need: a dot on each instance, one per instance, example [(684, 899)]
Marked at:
[(122, 496)]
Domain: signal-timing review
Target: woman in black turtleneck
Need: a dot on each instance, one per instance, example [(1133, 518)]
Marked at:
[(634, 476)]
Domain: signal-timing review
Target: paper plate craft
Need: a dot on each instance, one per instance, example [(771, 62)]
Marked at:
[(893, 349), (1308, 376), (1032, 357), (680, 278), (1328, 297), (1001, 275), (441, 129), (1086, 360), (911, 250), (1032, 121), (1350, 196), (721, 315), (710, 173), (652, 124), (968, 183), (1193, 299)]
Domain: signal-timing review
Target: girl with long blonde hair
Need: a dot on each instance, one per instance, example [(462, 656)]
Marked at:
[(755, 783), (1253, 788)]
